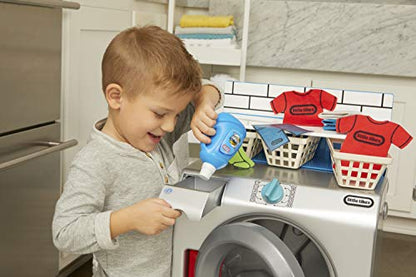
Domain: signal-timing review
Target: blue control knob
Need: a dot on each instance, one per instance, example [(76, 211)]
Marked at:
[(272, 192)]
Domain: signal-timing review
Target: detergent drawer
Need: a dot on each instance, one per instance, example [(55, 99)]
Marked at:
[(194, 196)]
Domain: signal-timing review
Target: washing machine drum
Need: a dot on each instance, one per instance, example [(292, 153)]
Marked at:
[(259, 248)]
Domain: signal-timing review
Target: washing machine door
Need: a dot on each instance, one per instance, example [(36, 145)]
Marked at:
[(245, 249)]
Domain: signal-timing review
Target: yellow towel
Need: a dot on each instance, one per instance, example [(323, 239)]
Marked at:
[(206, 21)]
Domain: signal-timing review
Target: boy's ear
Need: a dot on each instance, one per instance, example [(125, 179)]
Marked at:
[(113, 95)]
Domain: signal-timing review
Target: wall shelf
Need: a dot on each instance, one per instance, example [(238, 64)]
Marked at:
[(219, 56), (314, 131)]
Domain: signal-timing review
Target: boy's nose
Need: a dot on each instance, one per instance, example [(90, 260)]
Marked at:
[(168, 124)]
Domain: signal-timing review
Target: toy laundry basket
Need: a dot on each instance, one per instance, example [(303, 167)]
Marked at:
[(294, 154), (252, 143), (356, 171)]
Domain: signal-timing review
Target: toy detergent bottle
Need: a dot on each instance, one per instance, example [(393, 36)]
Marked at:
[(229, 136)]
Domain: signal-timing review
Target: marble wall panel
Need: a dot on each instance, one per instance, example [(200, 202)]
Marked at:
[(328, 36), (205, 3)]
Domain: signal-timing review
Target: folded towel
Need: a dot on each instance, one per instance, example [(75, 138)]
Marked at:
[(214, 43), (329, 124), (329, 121), (293, 129), (205, 36), (273, 137), (336, 114), (206, 21), (329, 128), (230, 30)]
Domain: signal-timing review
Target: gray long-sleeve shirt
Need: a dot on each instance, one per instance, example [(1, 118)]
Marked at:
[(107, 175)]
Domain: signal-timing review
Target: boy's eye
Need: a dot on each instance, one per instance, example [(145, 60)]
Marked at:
[(158, 115)]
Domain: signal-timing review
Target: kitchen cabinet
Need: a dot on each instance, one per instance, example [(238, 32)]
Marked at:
[(30, 134), (86, 34)]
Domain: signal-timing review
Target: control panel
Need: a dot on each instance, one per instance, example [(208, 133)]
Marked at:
[(273, 193)]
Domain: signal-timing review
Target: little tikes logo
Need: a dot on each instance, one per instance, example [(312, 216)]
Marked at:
[(168, 190), (226, 148), (369, 138), (359, 201), (309, 109)]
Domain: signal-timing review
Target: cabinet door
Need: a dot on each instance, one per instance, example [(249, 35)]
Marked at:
[(402, 172), (29, 33), (28, 192), (86, 34)]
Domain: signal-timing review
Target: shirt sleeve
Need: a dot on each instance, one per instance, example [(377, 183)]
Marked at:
[(400, 137), (279, 103), (346, 124), (183, 124), (80, 225), (220, 90), (328, 101)]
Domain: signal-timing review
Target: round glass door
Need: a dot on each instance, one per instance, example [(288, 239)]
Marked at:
[(261, 247), (245, 249), (310, 256), (243, 262)]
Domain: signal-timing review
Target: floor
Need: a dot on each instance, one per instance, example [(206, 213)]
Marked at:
[(398, 257)]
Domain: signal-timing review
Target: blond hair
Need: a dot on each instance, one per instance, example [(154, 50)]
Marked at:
[(142, 59)]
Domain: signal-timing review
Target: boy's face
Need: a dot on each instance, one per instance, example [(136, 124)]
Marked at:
[(143, 121)]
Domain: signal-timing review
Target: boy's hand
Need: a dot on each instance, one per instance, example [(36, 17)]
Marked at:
[(205, 116), (149, 217)]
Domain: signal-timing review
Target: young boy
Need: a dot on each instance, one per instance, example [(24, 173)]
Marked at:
[(109, 206)]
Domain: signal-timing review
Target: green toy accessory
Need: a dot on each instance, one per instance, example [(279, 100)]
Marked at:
[(241, 160)]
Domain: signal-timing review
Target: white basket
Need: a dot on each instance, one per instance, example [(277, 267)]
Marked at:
[(344, 173), (252, 143), (294, 154)]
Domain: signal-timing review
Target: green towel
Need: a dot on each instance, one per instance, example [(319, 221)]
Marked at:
[(241, 160)]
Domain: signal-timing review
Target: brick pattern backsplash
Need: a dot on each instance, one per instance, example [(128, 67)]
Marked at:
[(253, 99)]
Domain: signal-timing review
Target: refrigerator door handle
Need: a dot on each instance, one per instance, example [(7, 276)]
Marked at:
[(47, 3), (54, 147)]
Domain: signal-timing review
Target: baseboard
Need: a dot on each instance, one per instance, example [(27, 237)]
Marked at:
[(400, 225)]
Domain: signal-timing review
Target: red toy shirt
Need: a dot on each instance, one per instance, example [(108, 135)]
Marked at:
[(367, 136), (303, 108)]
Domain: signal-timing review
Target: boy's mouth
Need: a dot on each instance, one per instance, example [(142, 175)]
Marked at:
[(154, 138)]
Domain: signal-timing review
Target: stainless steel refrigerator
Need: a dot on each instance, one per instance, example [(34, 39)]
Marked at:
[(30, 145)]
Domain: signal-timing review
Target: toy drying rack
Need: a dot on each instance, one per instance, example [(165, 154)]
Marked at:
[(321, 160), (326, 155)]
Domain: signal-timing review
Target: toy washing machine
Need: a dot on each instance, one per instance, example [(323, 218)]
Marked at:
[(315, 229)]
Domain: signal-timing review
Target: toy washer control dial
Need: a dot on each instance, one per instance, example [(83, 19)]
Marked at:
[(273, 193)]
